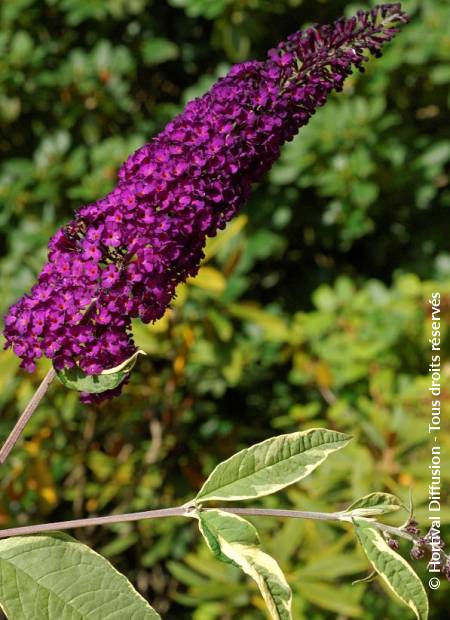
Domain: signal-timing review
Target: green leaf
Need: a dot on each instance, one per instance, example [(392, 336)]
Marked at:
[(215, 244), (264, 570), (126, 366), (233, 539), (75, 379), (275, 327), (393, 569), (209, 279), (271, 465), (158, 50), (54, 577), (230, 526), (375, 504), (339, 600)]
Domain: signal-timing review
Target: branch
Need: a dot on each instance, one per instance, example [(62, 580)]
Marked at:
[(26, 415), (187, 510), (178, 511), (316, 516)]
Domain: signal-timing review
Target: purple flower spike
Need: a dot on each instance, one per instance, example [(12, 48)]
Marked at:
[(123, 256)]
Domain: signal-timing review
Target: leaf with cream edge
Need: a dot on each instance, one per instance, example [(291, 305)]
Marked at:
[(375, 504), (393, 569), (75, 379), (231, 527), (233, 539), (54, 577), (271, 465)]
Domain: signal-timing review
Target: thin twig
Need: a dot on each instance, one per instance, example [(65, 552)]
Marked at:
[(187, 510), (152, 453), (328, 396), (26, 415)]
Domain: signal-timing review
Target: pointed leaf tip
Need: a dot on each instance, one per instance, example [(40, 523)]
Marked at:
[(271, 465)]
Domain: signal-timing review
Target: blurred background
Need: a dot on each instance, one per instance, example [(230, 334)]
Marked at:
[(310, 310)]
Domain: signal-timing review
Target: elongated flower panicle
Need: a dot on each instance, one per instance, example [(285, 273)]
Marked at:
[(123, 256)]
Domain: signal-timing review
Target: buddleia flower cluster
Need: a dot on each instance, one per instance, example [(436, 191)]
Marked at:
[(123, 256)]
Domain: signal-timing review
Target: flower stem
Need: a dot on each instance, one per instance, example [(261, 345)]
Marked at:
[(26, 415)]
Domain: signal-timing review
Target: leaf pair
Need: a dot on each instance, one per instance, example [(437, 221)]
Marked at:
[(389, 565), (255, 472), (270, 466)]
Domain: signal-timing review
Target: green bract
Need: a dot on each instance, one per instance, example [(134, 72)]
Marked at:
[(75, 379)]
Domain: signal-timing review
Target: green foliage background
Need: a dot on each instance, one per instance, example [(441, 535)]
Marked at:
[(311, 309)]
